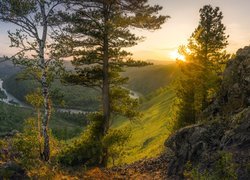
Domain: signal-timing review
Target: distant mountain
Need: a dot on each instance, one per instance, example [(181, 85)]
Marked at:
[(160, 62), (7, 68), (146, 80)]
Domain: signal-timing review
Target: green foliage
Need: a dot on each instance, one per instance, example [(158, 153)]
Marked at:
[(115, 141), (85, 149), (123, 105), (2, 146), (26, 146), (64, 125), (224, 168), (35, 99), (12, 118), (23, 151), (205, 57)]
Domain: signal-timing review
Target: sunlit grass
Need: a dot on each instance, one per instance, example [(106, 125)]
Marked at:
[(149, 134)]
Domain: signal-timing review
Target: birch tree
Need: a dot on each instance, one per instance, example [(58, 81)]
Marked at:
[(33, 19)]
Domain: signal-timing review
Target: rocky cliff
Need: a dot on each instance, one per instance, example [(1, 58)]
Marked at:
[(226, 127)]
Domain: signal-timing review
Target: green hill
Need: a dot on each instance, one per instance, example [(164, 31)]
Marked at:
[(75, 97), (143, 80), (7, 69), (63, 125), (148, 79), (150, 132)]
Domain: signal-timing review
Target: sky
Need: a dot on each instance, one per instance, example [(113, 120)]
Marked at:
[(162, 44)]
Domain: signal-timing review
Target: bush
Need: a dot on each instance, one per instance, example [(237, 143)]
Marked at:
[(115, 141), (88, 149), (85, 149), (25, 146)]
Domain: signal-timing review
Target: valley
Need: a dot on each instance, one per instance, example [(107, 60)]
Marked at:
[(109, 90), (153, 91)]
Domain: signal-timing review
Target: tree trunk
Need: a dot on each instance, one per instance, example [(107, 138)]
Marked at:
[(45, 89), (105, 90), (46, 146), (105, 87), (39, 130)]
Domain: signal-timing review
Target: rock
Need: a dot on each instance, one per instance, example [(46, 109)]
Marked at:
[(235, 89), (226, 125)]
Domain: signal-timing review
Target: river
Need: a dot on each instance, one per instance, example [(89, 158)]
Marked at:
[(11, 100)]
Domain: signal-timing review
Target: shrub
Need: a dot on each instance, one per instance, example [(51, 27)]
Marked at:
[(115, 141), (85, 149)]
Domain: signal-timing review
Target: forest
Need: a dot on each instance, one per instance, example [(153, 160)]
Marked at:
[(75, 103)]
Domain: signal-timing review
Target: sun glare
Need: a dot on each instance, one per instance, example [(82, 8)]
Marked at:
[(175, 55)]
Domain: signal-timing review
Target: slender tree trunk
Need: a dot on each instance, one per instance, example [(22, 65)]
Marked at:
[(105, 88), (105, 97), (46, 146), (39, 130), (45, 89)]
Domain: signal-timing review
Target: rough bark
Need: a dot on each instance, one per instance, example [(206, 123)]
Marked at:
[(105, 86), (45, 90), (46, 146)]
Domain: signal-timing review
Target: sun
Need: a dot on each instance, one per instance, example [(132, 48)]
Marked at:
[(175, 55)]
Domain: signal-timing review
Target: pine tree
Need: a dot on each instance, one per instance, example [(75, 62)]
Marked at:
[(33, 18), (205, 58), (96, 37)]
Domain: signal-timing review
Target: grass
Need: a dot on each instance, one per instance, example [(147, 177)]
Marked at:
[(148, 134)]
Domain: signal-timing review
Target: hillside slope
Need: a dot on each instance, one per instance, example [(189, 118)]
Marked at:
[(216, 148), (7, 69), (148, 79), (63, 125), (149, 133)]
